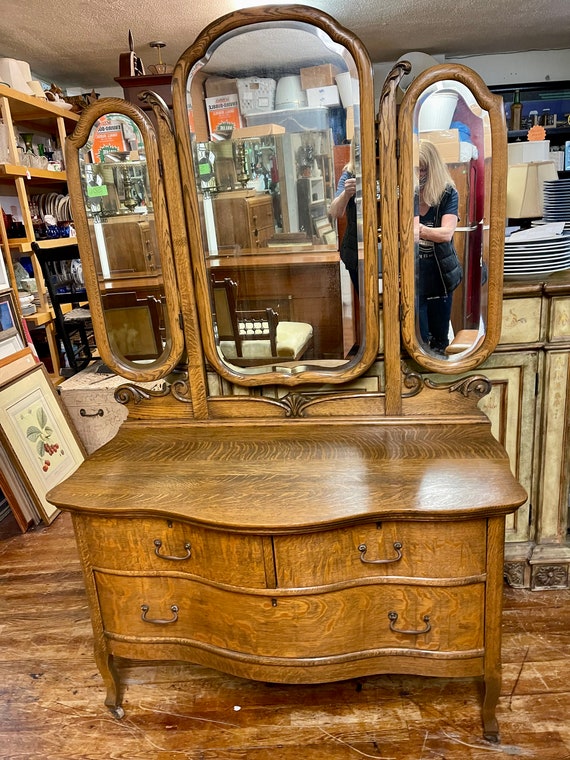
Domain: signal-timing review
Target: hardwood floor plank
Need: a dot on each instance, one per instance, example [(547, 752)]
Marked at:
[(52, 696)]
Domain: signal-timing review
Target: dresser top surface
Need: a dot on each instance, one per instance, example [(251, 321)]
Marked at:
[(293, 476)]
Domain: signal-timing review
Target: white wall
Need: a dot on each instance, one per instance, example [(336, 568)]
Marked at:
[(521, 68)]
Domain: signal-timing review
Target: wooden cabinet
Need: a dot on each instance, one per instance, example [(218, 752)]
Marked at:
[(379, 574), (28, 114), (243, 221), (529, 408), (301, 288)]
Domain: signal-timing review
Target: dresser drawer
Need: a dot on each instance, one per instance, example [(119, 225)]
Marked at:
[(162, 545), (402, 549), (347, 621)]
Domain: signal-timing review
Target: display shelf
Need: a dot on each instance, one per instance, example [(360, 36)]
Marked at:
[(24, 113)]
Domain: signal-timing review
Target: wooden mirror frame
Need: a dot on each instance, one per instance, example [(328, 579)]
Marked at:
[(174, 347), (493, 104), (302, 372)]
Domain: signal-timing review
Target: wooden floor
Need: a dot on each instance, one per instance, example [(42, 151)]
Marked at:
[(51, 695)]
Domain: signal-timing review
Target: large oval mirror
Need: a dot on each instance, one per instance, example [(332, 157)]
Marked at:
[(120, 212), (273, 107), (453, 135)]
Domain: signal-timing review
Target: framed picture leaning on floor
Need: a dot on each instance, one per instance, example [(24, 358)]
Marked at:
[(40, 442)]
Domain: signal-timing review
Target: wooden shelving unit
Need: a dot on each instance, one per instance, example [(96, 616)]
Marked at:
[(30, 114)]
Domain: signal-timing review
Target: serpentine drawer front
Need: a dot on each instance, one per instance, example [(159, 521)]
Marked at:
[(161, 545), (404, 549), (436, 620)]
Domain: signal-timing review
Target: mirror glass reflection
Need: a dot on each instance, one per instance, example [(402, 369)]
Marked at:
[(452, 169), (274, 118), (121, 223)]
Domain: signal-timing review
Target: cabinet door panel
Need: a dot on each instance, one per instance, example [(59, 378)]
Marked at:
[(521, 322), (511, 407), (428, 550), (305, 626)]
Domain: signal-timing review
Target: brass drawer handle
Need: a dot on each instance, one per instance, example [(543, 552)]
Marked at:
[(98, 413), (393, 616), (397, 558), (158, 544), (145, 608)]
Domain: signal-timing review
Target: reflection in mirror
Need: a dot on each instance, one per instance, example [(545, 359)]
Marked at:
[(451, 166), (121, 223), (270, 135)]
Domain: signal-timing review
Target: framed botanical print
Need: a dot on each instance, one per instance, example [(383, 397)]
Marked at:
[(41, 443)]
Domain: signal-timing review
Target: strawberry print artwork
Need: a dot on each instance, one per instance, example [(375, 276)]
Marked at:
[(42, 436)]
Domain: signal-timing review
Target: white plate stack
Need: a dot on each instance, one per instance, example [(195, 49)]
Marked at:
[(543, 249), (556, 203)]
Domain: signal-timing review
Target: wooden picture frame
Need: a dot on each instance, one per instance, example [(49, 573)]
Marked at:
[(41, 444), (10, 322), (4, 279)]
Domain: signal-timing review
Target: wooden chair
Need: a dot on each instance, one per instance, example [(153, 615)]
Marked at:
[(63, 276), (249, 338), (133, 324)]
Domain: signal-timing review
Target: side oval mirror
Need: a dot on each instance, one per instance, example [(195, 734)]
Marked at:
[(450, 108), (121, 217)]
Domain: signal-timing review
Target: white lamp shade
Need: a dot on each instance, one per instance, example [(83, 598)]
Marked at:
[(525, 184)]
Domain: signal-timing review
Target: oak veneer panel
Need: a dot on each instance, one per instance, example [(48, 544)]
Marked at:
[(285, 628), (184, 549), (295, 475), (428, 550)]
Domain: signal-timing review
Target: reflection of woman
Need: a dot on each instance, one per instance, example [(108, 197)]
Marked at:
[(344, 203), (438, 204)]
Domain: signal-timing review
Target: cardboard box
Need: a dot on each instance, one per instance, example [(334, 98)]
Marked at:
[(256, 94), (323, 96), (526, 151), (216, 86), (447, 143), (293, 119), (318, 76), (223, 115), (258, 131)]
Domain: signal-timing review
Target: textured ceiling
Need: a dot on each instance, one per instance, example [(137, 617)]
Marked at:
[(76, 43)]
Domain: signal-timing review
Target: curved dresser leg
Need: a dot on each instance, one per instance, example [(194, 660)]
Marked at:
[(113, 684), (491, 692)]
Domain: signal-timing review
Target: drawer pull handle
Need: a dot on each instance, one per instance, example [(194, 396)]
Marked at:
[(393, 616), (145, 608), (397, 558), (158, 544), (98, 413)]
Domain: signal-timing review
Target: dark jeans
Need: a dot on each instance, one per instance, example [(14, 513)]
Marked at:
[(434, 314)]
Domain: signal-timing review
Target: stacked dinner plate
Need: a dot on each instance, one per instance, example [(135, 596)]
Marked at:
[(541, 250), (52, 204), (556, 201)]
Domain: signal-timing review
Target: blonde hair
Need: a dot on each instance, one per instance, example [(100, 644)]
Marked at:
[(438, 176)]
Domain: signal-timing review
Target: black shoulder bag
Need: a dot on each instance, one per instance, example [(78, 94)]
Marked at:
[(450, 269)]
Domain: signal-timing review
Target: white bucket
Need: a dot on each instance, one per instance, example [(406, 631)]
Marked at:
[(437, 110), (347, 89), (289, 93)]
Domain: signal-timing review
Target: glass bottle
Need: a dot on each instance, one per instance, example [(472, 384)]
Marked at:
[(516, 111)]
